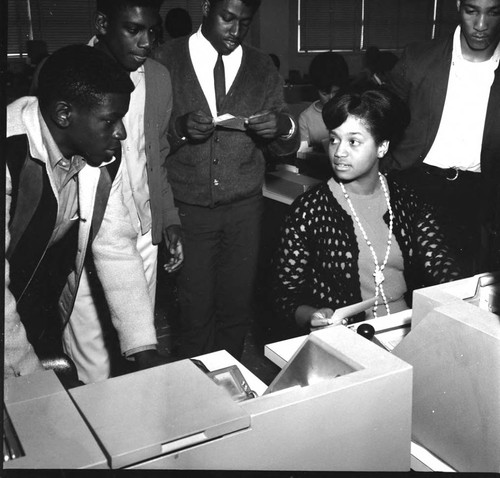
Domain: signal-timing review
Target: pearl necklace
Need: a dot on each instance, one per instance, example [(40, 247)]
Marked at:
[(378, 274)]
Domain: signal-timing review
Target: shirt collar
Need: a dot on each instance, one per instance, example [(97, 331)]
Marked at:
[(54, 155)]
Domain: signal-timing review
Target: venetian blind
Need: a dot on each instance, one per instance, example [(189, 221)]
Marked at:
[(57, 22), (62, 22), (18, 26), (330, 25), (392, 24)]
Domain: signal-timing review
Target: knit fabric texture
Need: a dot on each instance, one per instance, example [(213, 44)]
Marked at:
[(230, 165)]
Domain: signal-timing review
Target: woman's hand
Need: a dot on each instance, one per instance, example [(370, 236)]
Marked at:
[(321, 318), (315, 319), (324, 318)]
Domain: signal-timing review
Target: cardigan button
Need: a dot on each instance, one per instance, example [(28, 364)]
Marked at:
[(216, 182), (216, 161)]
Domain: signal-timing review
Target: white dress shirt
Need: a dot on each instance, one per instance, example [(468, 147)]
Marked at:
[(136, 189), (204, 56)]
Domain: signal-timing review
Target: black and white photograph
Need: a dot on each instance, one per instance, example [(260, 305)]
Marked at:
[(250, 237)]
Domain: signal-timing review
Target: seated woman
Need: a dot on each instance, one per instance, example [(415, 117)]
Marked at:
[(360, 235)]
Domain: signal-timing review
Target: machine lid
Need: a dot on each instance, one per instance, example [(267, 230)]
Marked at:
[(157, 411)]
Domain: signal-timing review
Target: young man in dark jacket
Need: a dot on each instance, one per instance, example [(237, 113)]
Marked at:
[(449, 153)]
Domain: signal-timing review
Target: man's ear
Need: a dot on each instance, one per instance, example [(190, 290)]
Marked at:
[(205, 8), (62, 114), (101, 23)]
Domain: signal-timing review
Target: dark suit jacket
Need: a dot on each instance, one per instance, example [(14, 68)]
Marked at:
[(421, 79)]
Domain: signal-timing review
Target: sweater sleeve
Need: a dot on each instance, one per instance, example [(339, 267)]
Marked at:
[(438, 261), (290, 267), (170, 212), (275, 101), (121, 272), (303, 128), (19, 356)]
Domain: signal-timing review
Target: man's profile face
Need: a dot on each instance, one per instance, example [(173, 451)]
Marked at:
[(480, 26), (130, 34), (226, 23), (95, 133)]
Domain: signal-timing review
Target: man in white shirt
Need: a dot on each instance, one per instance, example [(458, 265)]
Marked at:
[(450, 150), (126, 31)]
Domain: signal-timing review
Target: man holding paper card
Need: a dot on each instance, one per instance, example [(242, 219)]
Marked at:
[(216, 169)]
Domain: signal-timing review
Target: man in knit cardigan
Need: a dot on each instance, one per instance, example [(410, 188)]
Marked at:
[(217, 173)]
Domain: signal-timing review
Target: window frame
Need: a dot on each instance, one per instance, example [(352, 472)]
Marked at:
[(435, 27)]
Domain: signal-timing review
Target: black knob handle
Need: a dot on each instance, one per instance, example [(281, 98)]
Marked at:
[(366, 330)]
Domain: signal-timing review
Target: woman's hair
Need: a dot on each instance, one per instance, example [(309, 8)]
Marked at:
[(383, 113)]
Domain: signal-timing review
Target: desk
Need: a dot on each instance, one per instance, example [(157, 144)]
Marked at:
[(285, 185)]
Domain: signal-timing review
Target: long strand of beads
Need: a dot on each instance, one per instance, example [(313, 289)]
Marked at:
[(378, 273)]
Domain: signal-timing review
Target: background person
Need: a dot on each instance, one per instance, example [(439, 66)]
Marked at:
[(449, 153), (178, 23), (328, 73)]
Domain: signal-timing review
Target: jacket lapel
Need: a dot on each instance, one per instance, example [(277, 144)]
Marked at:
[(30, 192)]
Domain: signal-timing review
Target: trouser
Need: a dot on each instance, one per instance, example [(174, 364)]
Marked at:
[(89, 338), (456, 198), (216, 282)]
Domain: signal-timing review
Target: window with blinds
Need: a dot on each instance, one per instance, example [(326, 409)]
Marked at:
[(64, 22), (56, 22), (392, 24), (330, 25), (18, 27), (353, 25)]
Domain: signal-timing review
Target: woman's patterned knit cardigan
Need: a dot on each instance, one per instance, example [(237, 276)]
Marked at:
[(317, 260)]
